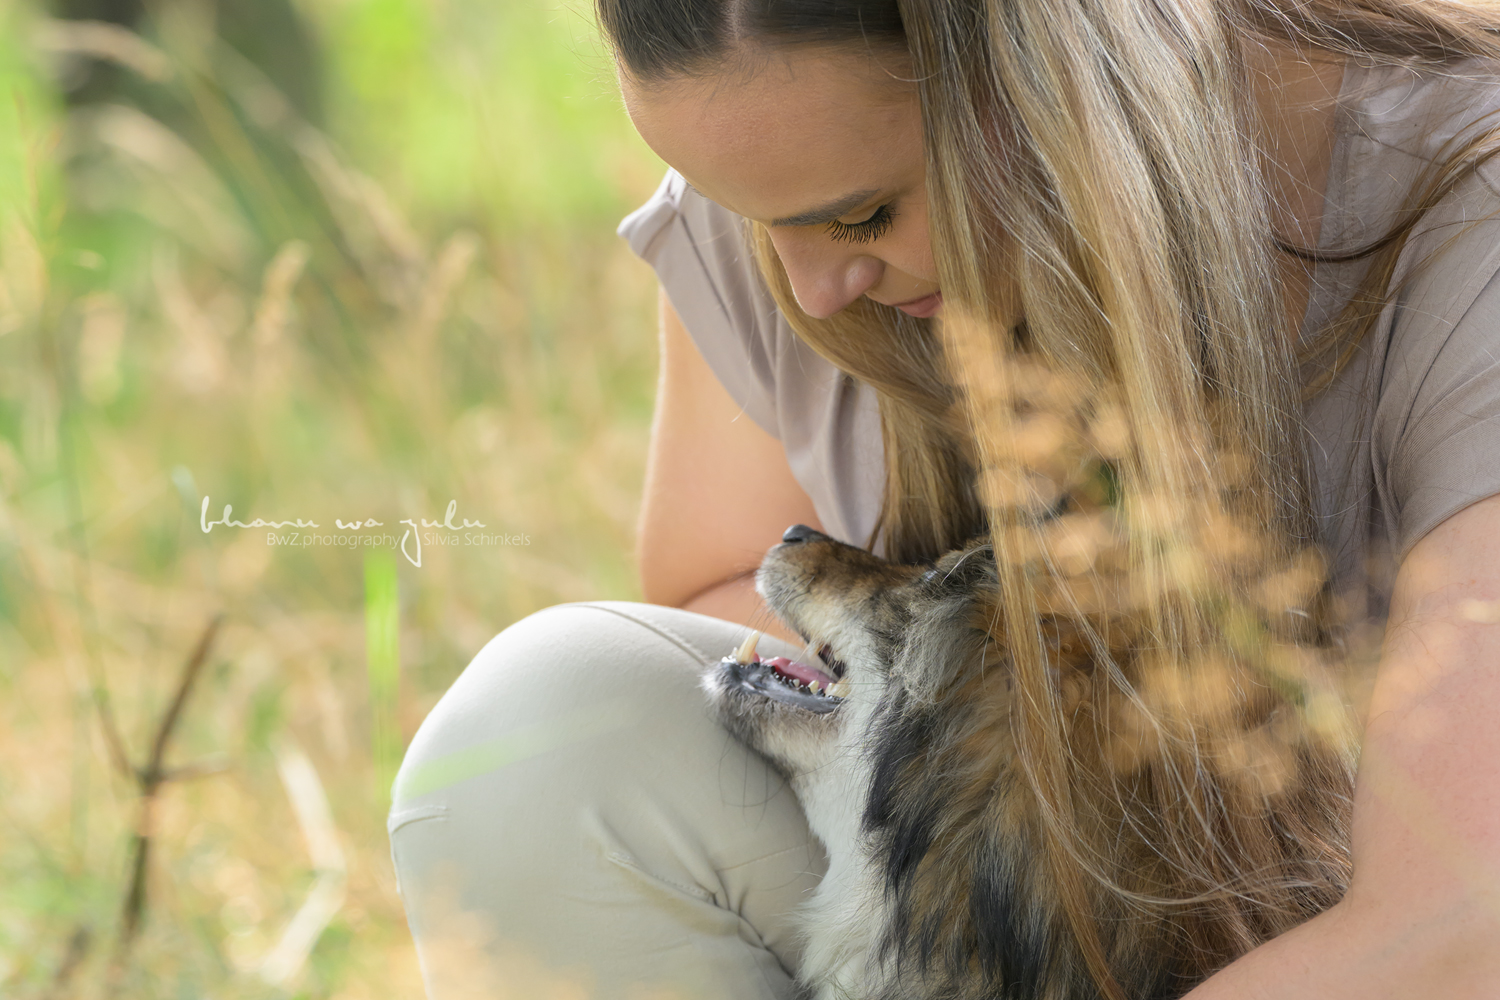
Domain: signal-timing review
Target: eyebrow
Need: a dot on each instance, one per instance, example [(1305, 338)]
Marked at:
[(828, 212)]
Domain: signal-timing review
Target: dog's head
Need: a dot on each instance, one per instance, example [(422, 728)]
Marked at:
[(873, 629)]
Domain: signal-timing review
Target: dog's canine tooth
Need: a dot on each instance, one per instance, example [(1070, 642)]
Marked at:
[(813, 686), (840, 687), (747, 648)]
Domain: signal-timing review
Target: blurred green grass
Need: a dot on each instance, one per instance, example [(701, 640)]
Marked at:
[(406, 294)]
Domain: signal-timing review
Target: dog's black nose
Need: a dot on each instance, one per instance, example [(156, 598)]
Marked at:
[(801, 533)]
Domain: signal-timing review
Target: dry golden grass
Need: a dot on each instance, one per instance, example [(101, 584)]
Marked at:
[(201, 294)]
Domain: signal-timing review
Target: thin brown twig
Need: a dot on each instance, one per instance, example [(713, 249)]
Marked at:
[(149, 780), (153, 773)]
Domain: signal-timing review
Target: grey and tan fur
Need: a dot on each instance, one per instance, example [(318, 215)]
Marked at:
[(936, 886)]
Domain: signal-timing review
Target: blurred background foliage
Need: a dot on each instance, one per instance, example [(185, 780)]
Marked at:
[(313, 259)]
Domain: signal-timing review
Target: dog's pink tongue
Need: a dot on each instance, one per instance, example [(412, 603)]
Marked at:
[(798, 671)]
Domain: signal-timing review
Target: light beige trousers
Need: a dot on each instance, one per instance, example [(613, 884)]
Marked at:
[(571, 821)]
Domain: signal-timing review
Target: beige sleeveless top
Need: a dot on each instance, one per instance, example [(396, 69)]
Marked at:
[(1408, 435)]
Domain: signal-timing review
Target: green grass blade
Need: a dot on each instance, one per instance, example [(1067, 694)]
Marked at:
[(383, 663)]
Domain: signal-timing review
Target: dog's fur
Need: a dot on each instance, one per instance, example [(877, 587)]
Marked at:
[(937, 886)]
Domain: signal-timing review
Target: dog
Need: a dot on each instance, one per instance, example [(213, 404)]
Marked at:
[(896, 736)]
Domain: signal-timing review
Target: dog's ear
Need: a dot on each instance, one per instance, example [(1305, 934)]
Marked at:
[(953, 619)]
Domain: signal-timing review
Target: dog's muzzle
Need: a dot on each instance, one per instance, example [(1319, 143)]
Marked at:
[(785, 680)]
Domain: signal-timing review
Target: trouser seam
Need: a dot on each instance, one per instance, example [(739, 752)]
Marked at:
[(696, 891), (667, 633), (399, 818)]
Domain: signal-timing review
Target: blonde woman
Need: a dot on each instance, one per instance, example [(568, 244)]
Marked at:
[(1266, 223)]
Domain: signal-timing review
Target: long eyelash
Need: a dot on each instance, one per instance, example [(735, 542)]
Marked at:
[(872, 229)]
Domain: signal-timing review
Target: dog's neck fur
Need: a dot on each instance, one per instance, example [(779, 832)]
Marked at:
[(847, 909)]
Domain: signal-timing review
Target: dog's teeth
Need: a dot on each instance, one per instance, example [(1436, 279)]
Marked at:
[(840, 688), (747, 648), (813, 686)]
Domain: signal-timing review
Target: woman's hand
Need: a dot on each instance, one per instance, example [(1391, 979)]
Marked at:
[(1422, 918), (718, 492)]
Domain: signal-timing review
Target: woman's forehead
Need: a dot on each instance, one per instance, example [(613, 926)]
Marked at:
[(804, 130)]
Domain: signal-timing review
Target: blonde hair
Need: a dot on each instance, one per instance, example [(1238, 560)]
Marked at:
[(1096, 210)]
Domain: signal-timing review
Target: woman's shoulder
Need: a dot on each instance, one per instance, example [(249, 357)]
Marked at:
[(829, 426), (1420, 112), (1398, 123), (1435, 436), (642, 227), (703, 261), (678, 216)]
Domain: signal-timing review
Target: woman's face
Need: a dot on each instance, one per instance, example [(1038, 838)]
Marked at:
[(823, 146)]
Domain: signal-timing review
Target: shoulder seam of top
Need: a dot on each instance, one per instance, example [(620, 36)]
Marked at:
[(703, 266)]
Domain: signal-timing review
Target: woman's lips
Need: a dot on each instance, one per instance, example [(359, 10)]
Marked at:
[(923, 307)]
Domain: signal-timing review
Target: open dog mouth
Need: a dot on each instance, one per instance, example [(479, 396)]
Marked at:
[(818, 689)]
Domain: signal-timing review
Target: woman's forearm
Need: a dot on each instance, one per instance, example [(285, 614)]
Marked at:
[(1422, 917), (1371, 950)]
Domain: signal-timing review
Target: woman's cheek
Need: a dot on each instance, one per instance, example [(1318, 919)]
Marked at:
[(914, 247)]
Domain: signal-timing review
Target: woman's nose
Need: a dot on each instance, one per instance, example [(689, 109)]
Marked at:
[(826, 279)]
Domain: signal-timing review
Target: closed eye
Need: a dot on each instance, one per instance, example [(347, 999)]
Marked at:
[(868, 231)]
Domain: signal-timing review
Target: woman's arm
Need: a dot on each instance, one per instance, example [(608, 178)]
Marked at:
[(1422, 918), (718, 492)]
